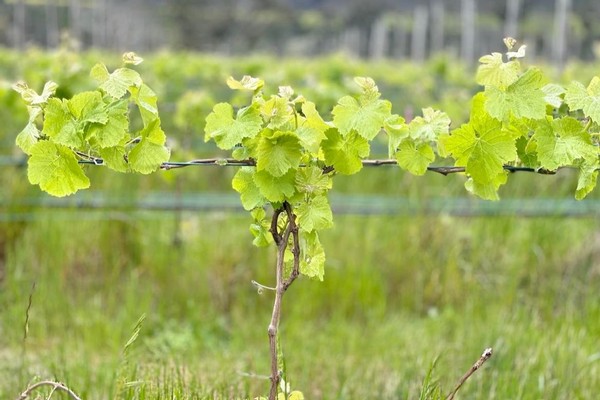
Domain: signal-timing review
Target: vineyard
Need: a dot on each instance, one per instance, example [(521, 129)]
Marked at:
[(119, 296)]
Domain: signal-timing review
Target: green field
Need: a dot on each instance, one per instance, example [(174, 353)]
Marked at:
[(400, 290)]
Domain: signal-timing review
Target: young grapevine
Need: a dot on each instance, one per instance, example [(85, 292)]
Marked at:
[(291, 153)]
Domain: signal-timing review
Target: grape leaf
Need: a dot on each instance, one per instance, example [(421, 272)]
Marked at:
[(522, 99), (227, 131), (114, 158), (246, 83), (146, 100), (493, 71), (554, 94), (59, 124), (314, 214), (260, 229), (276, 188), (312, 129), (88, 107), (119, 81), (276, 112), (28, 137), (311, 180), (415, 158), (115, 129), (148, 155), (365, 117), (563, 141), (578, 97), (430, 126), (312, 255), (345, 154), (278, 152), (243, 183), (55, 169), (588, 177), (482, 147)]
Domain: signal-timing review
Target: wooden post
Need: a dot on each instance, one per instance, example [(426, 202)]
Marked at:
[(559, 43), (418, 46), (19, 24), (378, 42), (467, 45), (437, 26), (511, 24)]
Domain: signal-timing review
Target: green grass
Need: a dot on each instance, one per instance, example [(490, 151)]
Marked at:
[(399, 292)]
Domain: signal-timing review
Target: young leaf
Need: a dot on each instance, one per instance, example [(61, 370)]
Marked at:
[(278, 152), (246, 83), (243, 183), (117, 83), (563, 141), (276, 189), (345, 154), (365, 117), (522, 99), (28, 137), (227, 131), (482, 147), (114, 158), (312, 255), (415, 158), (148, 155), (314, 214), (55, 169), (493, 71), (115, 129), (312, 181), (276, 112), (146, 100), (311, 131), (588, 176), (588, 100), (60, 125)]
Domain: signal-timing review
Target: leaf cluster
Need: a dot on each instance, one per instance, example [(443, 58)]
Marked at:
[(92, 125)]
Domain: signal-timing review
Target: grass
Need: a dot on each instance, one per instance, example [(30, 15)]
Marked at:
[(399, 292)]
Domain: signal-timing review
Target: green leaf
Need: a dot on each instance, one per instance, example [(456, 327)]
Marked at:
[(312, 181), (28, 137), (115, 130), (276, 189), (55, 169), (227, 131), (148, 155), (314, 214), (415, 158), (588, 177), (260, 229), (114, 158), (246, 83), (522, 99), (276, 112), (278, 152), (562, 141), (482, 147), (430, 126), (554, 94), (365, 117), (60, 125), (397, 131), (493, 71), (31, 97), (88, 107), (243, 183), (526, 150), (587, 100), (312, 130), (312, 255), (117, 83), (345, 154), (146, 100)]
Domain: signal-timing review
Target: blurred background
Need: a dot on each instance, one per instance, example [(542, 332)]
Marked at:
[(399, 29), (416, 267)]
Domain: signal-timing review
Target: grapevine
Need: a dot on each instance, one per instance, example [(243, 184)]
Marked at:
[(288, 153)]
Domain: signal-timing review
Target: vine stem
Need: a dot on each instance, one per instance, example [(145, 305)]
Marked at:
[(55, 386), (282, 240), (487, 353)]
